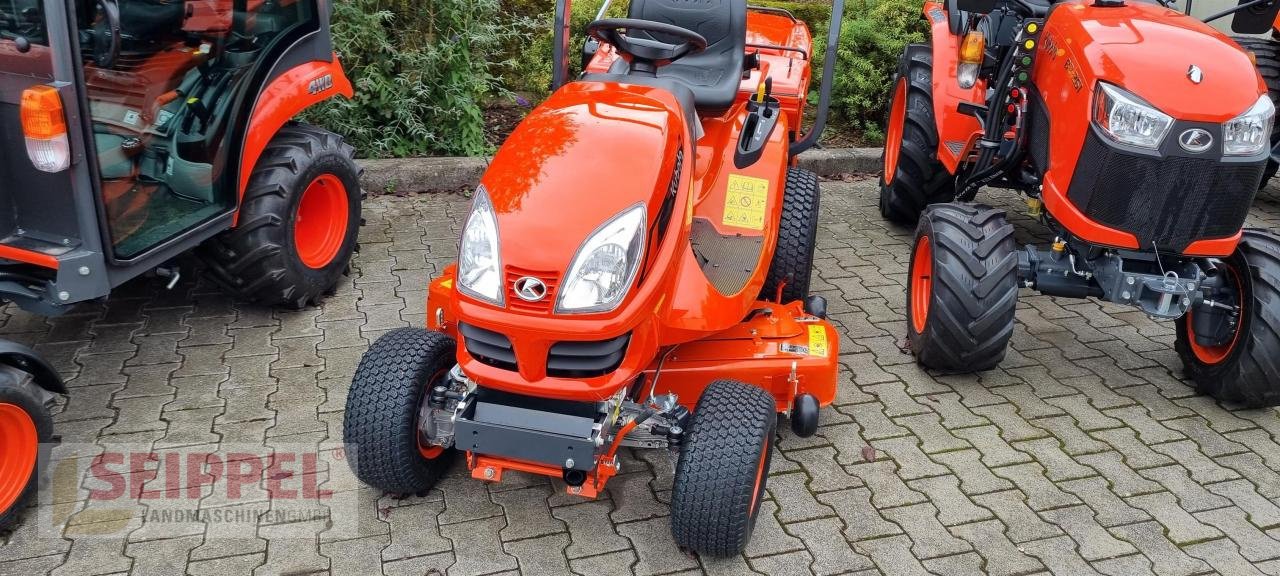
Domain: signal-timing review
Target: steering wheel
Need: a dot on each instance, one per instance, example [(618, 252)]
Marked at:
[(647, 54), (103, 39)]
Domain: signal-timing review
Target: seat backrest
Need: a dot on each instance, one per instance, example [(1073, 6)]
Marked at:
[(722, 22)]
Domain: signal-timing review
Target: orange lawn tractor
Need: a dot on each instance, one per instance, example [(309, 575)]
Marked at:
[(634, 273), (1139, 136), (137, 131)]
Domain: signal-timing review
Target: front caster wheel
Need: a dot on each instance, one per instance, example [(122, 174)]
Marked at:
[(723, 467), (25, 429), (380, 427), (962, 288), (1241, 364)]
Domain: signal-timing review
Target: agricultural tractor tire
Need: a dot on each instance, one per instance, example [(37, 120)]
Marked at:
[(298, 221), (792, 263), (380, 427), (912, 177), (26, 429), (1244, 366), (723, 467), (962, 288)]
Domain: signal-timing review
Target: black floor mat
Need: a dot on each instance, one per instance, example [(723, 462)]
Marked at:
[(166, 215)]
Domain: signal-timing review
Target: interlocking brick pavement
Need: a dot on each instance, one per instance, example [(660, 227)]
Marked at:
[(1085, 452)]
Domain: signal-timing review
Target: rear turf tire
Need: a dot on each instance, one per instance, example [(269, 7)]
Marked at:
[(723, 468), (1267, 52), (380, 427), (962, 288), (269, 257), (912, 177), (792, 264), (1247, 370), (26, 429)]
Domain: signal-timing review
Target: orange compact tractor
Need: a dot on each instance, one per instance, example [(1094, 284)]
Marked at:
[(634, 272), (1139, 136), (138, 130)]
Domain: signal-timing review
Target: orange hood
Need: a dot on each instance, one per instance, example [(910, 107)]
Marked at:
[(1149, 50), (582, 157)]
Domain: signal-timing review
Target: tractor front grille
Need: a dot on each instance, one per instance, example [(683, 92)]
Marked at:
[(586, 359), (543, 306), (1169, 201), (488, 347)]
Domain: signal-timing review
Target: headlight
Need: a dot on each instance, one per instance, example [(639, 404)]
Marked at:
[(479, 263), (605, 265), (1126, 119), (1250, 133)]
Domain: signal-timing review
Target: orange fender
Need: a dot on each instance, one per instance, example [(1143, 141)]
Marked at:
[(957, 132), (285, 97)]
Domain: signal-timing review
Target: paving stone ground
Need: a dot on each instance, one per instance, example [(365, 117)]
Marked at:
[(1084, 452)]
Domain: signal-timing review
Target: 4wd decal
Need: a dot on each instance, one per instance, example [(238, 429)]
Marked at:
[(320, 84)]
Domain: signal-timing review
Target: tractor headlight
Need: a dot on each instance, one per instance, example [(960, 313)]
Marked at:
[(479, 263), (605, 265), (1126, 119), (1249, 134)]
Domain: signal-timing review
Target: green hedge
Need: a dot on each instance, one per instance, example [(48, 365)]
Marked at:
[(425, 71), (872, 40)]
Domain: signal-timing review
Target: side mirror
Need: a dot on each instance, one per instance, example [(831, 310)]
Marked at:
[(1256, 19), (977, 6)]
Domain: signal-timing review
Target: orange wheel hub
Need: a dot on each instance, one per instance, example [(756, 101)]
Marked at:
[(19, 445), (893, 132), (921, 283), (1213, 355), (320, 225)]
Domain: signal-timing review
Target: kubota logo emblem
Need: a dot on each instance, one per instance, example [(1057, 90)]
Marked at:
[(1195, 74), (1195, 140), (531, 289)]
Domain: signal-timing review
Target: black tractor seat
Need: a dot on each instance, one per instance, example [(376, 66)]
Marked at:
[(713, 75)]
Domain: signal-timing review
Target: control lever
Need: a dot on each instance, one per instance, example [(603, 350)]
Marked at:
[(762, 116)]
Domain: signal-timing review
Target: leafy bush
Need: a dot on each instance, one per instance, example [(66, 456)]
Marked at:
[(426, 70), (872, 40), (531, 57), (422, 72)]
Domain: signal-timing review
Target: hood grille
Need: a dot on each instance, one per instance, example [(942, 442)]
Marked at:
[(543, 306)]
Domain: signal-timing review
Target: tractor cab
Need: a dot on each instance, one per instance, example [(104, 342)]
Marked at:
[(129, 128)]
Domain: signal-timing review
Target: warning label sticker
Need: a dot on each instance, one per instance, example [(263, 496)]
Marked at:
[(745, 201), (817, 340)]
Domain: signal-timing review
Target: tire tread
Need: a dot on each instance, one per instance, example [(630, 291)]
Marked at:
[(715, 476)]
